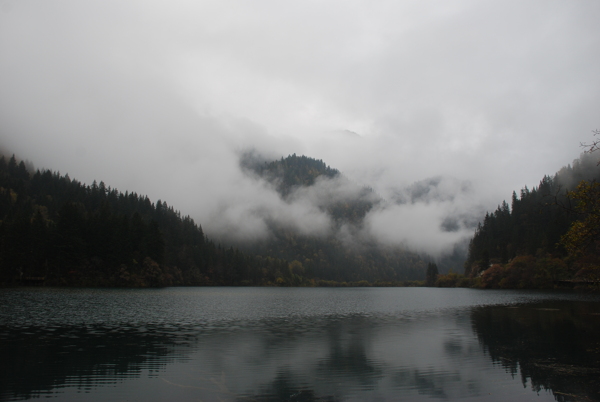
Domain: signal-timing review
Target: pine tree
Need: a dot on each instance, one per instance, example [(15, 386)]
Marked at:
[(431, 275)]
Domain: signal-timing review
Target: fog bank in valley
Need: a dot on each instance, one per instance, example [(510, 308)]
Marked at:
[(443, 111)]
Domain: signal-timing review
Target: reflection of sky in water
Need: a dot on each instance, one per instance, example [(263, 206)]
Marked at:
[(258, 344)]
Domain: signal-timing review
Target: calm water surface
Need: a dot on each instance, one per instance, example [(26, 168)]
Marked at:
[(314, 344)]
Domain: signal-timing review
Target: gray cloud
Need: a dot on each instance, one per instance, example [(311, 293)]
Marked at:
[(161, 98)]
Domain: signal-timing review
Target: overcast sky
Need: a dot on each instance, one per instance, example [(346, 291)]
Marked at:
[(161, 97)]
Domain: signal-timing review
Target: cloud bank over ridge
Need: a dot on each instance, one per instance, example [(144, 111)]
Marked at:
[(161, 98)]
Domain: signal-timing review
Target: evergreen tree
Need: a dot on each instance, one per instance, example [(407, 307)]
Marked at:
[(432, 274)]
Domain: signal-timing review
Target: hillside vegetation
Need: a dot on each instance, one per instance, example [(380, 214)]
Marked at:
[(64, 232), (344, 253), (70, 233), (526, 244)]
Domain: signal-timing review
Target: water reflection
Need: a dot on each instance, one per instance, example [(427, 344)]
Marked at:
[(554, 345), (36, 360), (487, 352)]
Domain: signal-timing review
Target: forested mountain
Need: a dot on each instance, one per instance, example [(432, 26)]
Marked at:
[(344, 201), (344, 254), (73, 234), (522, 245), (289, 173), (69, 233)]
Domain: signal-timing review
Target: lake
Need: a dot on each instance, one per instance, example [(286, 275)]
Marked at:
[(298, 344)]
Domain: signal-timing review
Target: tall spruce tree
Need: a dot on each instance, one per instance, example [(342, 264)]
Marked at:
[(432, 274)]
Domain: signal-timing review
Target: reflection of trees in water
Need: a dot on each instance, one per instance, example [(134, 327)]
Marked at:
[(40, 359), (431, 382), (348, 357), (340, 358), (350, 363), (285, 387), (555, 344), (345, 362)]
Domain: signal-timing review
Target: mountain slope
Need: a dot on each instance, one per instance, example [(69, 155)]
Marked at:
[(529, 231), (345, 252), (73, 234)]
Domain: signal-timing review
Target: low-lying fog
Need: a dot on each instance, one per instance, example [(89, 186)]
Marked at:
[(442, 110)]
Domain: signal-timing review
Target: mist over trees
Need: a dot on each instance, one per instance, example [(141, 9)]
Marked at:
[(346, 251), (69, 233), (523, 245)]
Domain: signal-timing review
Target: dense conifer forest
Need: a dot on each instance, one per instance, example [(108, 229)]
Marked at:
[(526, 244), (56, 230), (69, 233), (59, 231), (329, 257)]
